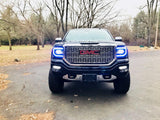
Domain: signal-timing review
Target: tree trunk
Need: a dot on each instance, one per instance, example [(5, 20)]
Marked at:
[(30, 43), (62, 25), (152, 9), (42, 40), (149, 27), (156, 37), (9, 40), (38, 48), (67, 16), (149, 37), (61, 13), (43, 44), (58, 31)]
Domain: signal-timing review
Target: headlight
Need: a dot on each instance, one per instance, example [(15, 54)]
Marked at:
[(58, 52), (121, 51)]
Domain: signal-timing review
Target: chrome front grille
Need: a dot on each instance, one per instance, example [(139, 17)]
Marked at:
[(73, 56)]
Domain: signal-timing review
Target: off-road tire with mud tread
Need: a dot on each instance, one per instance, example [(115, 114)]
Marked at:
[(55, 82), (122, 83)]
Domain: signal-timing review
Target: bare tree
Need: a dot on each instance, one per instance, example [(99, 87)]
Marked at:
[(157, 25), (7, 22), (76, 14), (40, 21), (67, 5), (54, 13), (93, 13), (60, 5), (81, 13), (25, 8), (152, 10)]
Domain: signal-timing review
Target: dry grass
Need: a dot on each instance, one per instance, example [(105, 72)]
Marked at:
[(42, 116), (3, 81), (138, 48), (25, 54)]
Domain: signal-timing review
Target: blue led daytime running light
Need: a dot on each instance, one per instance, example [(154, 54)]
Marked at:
[(119, 50), (56, 54)]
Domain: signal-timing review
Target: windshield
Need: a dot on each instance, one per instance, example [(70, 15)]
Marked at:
[(88, 35)]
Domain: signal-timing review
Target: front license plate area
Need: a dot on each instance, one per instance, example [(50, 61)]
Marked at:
[(89, 77)]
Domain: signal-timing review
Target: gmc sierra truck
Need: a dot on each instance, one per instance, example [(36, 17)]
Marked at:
[(89, 52)]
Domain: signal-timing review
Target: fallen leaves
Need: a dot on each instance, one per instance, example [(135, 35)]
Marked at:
[(25, 74), (3, 76), (76, 107), (48, 101), (40, 116), (2, 118), (3, 81)]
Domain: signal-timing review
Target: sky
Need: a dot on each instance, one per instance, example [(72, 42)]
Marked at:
[(130, 7), (127, 8)]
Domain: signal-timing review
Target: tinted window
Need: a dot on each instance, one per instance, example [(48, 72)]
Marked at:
[(88, 35)]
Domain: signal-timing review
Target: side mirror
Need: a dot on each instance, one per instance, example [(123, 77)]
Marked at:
[(58, 39), (118, 38)]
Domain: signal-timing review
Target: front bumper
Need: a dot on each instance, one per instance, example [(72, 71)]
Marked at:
[(112, 69)]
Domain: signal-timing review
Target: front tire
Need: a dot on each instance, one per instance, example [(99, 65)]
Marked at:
[(122, 83), (55, 82)]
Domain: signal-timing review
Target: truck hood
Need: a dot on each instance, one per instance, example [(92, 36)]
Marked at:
[(90, 44)]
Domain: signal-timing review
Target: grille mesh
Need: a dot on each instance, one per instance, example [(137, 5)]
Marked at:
[(73, 56)]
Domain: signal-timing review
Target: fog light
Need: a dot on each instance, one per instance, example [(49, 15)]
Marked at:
[(123, 69), (56, 68)]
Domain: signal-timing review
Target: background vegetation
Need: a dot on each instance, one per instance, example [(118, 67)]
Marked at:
[(26, 22)]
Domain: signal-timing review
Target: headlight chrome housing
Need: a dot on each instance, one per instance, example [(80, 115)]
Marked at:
[(58, 52), (121, 52)]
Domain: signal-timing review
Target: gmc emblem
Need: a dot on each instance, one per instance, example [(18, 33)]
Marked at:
[(89, 52)]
